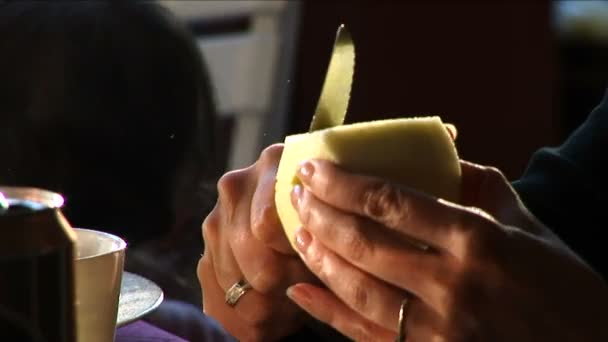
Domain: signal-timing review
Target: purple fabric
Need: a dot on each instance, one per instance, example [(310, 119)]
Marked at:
[(141, 331), (187, 321)]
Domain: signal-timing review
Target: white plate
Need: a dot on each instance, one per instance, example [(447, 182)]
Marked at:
[(138, 297)]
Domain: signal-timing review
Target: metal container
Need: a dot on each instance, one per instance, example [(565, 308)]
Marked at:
[(36, 267)]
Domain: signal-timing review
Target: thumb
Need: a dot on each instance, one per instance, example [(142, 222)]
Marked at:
[(452, 131), (488, 189)]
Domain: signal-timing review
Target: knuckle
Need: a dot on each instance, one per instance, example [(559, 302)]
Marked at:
[(356, 244), (270, 155), (210, 227), (265, 226), (306, 216), (466, 235), (383, 201), (269, 279), (495, 183), (229, 188), (318, 265), (494, 175), (358, 293), (229, 182)]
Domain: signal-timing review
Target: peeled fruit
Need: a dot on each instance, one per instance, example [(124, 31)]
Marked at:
[(415, 152)]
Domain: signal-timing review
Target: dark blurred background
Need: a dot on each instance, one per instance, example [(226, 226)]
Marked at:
[(502, 71), (512, 75)]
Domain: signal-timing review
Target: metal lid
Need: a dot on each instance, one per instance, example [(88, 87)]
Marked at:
[(18, 200), (3, 203)]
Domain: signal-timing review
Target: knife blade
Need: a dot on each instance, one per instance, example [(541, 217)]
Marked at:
[(335, 94)]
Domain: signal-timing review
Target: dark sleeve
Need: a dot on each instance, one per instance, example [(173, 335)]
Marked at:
[(566, 188)]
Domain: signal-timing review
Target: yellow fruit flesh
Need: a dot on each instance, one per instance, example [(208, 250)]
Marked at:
[(414, 152)]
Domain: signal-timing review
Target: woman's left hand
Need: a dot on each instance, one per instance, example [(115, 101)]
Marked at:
[(491, 271)]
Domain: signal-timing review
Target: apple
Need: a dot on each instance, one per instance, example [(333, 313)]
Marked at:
[(414, 152)]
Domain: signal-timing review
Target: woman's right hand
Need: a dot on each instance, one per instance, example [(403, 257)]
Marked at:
[(244, 240)]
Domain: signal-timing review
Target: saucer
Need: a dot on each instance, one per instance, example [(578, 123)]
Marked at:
[(138, 297)]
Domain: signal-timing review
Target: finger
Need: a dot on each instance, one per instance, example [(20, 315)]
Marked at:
[(452, 131), (371, 298), (216, 236), (265, 223), (326, 307), (485, 187), (235, 188), (252, 316), (374, 249), (407, 211), (267, 270), (323, 305), (228, 221), (376, 300), (213, 300), (488, 189)]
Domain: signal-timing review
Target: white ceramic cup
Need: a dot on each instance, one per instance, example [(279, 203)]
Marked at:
[(98, 274)]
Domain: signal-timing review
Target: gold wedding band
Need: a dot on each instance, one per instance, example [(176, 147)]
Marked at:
[(401, 334), (236, 291)]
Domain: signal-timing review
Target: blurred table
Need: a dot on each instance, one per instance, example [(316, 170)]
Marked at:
[(140, 331)]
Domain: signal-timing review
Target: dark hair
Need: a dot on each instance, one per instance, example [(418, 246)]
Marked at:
[(106, 102)]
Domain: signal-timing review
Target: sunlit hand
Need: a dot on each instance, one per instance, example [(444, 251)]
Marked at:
[(492, 272), (245, 241)]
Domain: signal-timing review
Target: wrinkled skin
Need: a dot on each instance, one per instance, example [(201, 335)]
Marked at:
[(491, 271), (244, 240)]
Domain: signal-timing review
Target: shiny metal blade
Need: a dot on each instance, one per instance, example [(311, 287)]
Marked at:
[(333, 102)]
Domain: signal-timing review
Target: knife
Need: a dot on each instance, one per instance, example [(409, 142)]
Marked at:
[(335, 94)]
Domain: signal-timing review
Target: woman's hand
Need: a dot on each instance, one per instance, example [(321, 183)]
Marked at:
[(245, 241), (491, 271)]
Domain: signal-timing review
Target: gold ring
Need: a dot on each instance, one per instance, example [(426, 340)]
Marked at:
[(401, 333), (236, 291)]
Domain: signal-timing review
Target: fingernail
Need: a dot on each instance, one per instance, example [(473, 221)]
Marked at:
[(303, 239), (299, 295), (296, 195), (306, 170)]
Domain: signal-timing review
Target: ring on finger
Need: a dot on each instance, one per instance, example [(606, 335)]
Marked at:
[(401, 332), (236, 291)]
